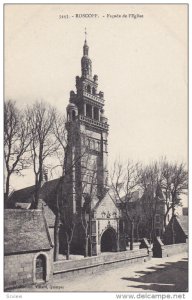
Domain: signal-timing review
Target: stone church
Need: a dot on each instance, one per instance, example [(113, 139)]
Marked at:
[(85, 192), (86, 180)]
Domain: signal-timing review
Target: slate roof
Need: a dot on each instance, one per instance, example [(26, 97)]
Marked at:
[(26, 195), (25, 231), (135, 197), (49, 214), (183, 222), (48, 187), (23, 195)]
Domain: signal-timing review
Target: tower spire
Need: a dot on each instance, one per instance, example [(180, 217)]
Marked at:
[(85, 47), (86, 64)]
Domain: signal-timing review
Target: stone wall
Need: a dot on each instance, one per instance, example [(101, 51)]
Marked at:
[(19, 269), (161, 250), (175, 249), (89, 265)]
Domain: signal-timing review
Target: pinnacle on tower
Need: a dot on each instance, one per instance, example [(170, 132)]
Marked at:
[(85, 47), (86, 64)]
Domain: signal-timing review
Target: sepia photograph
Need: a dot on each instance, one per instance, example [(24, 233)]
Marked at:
[(96, 148)]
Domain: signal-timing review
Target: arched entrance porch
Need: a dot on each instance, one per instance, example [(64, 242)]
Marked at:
[(109, 240)]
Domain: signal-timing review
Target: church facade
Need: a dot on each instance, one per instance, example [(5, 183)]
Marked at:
[(86, 173)]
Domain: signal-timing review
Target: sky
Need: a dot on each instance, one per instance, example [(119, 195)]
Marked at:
[(141, 64)]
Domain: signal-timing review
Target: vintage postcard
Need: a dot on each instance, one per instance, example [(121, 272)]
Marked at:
[(96, 148)]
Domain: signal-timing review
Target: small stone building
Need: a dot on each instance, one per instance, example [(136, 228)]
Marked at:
[(23, 198), (27, 248), (180, 226)]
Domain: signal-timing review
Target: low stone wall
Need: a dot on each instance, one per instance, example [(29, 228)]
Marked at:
[(89, 265), (174, 249), (161, 250)]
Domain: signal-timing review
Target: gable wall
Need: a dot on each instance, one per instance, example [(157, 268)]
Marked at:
[(19, 269)]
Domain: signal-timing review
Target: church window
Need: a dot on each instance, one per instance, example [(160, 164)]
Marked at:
[(88, 89), (93, 145), (73, 115), (88, 111), (96, 113), (93, 91), (98, 146)]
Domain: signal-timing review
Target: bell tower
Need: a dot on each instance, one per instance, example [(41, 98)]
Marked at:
[(87, 129), (86, 64)]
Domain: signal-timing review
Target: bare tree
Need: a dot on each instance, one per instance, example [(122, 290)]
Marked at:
[(89, 191), (16, 142), (150, 181), (44, 144), (56, 229), (69, 222), (64, 218), (174, 184), (166, 188), (124, 183), (61, 135)]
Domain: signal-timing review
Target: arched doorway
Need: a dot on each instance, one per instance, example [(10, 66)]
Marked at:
[(40, 268), (108, 241)]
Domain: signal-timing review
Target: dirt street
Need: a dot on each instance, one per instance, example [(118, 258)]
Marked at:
[(168, 274)]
